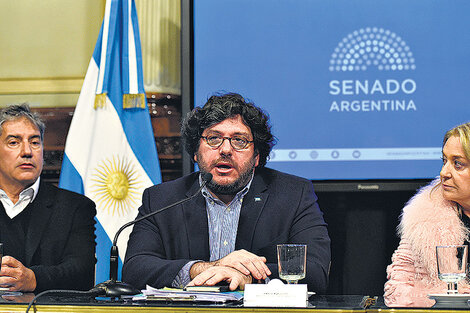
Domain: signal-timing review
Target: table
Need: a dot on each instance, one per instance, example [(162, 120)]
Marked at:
[(318, 303)]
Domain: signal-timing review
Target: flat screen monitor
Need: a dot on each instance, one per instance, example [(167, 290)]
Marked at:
[(355, 90)]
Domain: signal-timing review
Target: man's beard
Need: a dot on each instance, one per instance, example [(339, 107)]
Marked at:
[(236, 186)]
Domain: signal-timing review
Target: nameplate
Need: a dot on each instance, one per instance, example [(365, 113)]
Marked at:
[(276, 294)]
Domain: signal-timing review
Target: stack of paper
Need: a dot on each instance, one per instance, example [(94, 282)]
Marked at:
[(169, 294)]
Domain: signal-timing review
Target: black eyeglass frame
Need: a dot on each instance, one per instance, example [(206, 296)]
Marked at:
[(229, 140)]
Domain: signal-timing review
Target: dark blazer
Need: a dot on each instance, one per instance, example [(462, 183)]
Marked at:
[(278, 208), (60, 240)]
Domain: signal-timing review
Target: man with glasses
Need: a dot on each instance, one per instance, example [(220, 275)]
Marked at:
[(229, 232)]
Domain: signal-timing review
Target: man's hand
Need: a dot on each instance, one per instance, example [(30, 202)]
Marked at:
[(216, 274), (15, 276), (247, 263)]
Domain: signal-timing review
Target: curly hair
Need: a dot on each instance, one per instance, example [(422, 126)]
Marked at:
[(218, 108)]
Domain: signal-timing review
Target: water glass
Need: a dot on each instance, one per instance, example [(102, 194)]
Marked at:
[(452, 265), (292, 260)]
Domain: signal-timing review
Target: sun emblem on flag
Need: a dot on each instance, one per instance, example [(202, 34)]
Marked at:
[(116, 186)]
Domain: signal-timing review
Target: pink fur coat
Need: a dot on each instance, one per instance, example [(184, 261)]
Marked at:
[(427, 221)]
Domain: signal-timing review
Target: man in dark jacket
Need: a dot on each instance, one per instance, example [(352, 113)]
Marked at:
[(47, 233), (230, 231)]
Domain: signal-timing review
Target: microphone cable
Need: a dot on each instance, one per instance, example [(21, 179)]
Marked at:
[(102, 288), (92, 293)]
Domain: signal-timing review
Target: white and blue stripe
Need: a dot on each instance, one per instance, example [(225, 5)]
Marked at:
[(111, 132)]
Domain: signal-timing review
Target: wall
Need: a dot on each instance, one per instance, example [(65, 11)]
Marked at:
[(46, 48), (47, 45)]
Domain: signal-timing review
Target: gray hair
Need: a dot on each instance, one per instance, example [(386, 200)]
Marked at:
[(17, 111)]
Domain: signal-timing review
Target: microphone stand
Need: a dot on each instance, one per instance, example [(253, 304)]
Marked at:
[(114, 288)]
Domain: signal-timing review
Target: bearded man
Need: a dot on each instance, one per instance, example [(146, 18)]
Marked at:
[(229, 232)]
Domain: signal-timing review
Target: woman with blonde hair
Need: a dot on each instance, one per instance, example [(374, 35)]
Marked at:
[(438, 215)]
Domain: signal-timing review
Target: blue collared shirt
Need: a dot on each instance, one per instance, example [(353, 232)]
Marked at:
[(223, 224)]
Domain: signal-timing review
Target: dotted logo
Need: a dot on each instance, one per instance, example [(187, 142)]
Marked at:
[(372, 47), (292, 154)]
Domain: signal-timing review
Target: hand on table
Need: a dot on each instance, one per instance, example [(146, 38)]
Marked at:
[(15, 276), (247, 263), (216, 274)]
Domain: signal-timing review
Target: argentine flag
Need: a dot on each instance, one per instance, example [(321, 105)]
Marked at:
[(110, 154)]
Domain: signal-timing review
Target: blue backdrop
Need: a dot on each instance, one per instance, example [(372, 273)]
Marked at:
[(355, 89)]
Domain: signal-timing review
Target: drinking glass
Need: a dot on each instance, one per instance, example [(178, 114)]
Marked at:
[(291, 260), (452, 265)]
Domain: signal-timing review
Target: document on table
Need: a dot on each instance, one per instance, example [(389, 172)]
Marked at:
[(170, 294)]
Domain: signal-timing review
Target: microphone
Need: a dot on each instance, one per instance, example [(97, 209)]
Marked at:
[(114, 288)]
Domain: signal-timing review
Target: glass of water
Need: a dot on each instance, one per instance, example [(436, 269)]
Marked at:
[(291, 260), (452, 265)]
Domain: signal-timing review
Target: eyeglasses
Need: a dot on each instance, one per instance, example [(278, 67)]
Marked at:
[(237, 142)]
